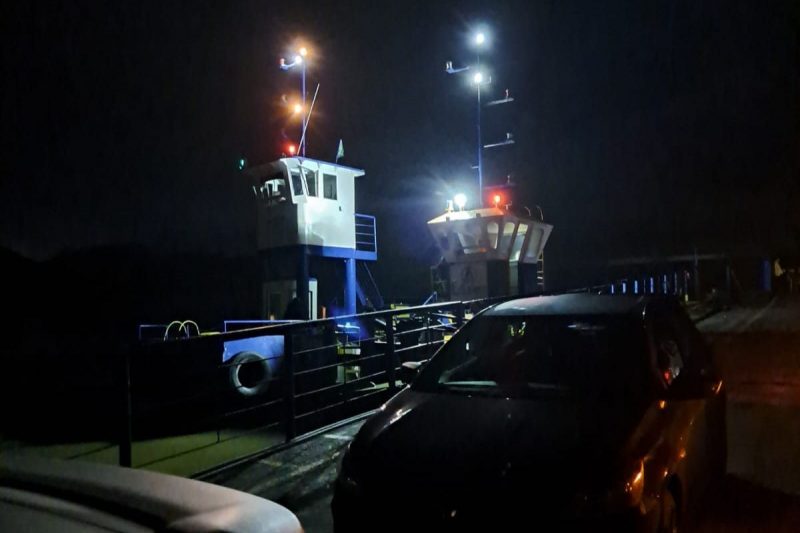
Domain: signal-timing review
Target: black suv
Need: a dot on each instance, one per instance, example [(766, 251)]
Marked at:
[(574, 411)]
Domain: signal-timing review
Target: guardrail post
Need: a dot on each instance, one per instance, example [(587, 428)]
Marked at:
[(391, 356), (289, 396), (428, 335), (215, 383), (459, 314), (126, 429), (331, 350)]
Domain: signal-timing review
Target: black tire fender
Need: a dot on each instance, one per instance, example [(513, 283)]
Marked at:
[(237, 362)]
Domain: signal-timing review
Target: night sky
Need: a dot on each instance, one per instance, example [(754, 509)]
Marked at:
[(641, 127)]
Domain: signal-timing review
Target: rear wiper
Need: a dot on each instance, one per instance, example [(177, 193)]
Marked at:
[(482, 388), (536, 389)]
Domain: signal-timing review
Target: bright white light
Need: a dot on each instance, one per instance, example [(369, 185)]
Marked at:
[(477, 79), (480, 38), (298, 60), (460, 199), (298, 108), (304, 51)]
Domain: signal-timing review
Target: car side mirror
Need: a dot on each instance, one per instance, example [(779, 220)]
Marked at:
[(410, 370)]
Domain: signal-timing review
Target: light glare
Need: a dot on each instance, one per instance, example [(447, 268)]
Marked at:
[(460, 200)]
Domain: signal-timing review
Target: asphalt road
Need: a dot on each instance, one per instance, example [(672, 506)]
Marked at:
[(758, 352), (300, 478)]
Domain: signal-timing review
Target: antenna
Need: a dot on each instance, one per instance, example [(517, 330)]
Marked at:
[(308, 119)]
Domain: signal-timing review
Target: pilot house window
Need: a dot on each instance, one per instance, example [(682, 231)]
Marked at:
[(274, 189), (329, 186), (311, 181), (297, 183)]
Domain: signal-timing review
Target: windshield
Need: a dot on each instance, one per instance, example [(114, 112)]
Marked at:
[(520, 356)]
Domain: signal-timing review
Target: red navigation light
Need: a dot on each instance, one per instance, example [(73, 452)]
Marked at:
[(292, 149)]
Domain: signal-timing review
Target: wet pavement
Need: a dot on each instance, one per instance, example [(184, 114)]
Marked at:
[(758, 352), (300, 478), (757, 349)]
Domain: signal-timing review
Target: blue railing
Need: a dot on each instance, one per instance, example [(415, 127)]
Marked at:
[(660, 284), (366, 235)]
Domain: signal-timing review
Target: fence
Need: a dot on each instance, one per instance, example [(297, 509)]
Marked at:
[(320, 372), (366, 234), (316, 373)]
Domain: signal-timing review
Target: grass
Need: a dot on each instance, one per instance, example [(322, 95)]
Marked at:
[(183, 455)]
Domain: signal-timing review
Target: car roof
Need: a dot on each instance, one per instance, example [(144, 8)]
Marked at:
[(572, 304), (151, 499)]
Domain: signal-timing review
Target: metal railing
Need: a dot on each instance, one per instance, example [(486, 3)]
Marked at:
[(169, 398), (649, 284), (366, 234), (329, 370)]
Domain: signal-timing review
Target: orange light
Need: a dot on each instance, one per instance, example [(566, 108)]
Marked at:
[(662, 404), (634, 487), (497, 200), (292, 149)]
